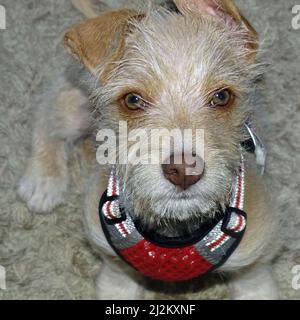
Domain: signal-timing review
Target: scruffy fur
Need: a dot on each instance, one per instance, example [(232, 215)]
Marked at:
[(177, 60)]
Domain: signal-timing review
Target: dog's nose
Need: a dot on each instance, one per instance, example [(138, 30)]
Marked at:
[(183, 170)]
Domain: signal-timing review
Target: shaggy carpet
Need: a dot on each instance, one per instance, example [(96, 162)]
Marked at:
[(48, 256)]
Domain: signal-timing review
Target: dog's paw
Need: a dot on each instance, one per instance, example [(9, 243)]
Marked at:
[(42, 194)]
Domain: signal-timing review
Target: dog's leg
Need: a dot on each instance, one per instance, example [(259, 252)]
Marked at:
[(61, 118), (114, 282), (255, 283)]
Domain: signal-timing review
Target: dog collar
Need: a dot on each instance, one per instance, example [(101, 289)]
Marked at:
[(174, 259)]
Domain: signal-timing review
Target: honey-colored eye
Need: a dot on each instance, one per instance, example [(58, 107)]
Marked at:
[(221, 98), (133, 101)]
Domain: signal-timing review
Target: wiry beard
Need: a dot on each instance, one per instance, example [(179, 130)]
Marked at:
[(172, 213)]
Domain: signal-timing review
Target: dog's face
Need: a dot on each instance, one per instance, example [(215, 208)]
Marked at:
[(189, 70)]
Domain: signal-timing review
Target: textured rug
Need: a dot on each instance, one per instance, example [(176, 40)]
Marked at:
[(48, 256)]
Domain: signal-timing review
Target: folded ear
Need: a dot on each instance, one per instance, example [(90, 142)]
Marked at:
[(225, 10), (100, 40)]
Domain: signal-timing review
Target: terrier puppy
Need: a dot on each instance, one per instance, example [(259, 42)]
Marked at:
[(194, 68)]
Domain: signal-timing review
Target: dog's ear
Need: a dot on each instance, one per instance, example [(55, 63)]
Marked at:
[(225, 10), (101, 40)]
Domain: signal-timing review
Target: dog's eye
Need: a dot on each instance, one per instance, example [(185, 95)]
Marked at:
[(134, 101), (221, 98)]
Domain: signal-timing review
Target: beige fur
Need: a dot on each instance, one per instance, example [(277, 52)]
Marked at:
[(177, 62)]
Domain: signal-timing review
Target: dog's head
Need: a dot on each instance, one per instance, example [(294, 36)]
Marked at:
[(187, 70)]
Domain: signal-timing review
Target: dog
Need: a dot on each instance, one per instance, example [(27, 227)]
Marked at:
[(194, 67)]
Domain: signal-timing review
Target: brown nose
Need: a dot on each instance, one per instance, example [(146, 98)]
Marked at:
[(183, 170)]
